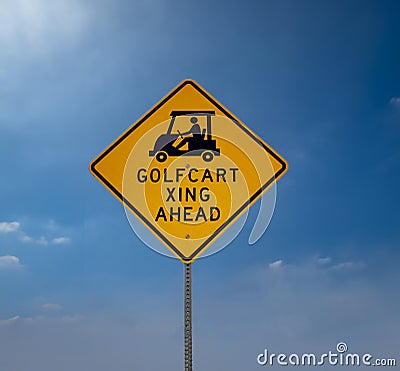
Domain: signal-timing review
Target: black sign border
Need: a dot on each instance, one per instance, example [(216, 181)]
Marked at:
[(205, 244)]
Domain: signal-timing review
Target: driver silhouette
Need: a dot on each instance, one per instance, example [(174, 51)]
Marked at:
[(196, 134)]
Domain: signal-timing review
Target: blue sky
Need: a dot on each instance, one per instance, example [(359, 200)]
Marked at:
[(319, 81)]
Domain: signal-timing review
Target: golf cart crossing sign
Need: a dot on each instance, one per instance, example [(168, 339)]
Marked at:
[(188, 169)]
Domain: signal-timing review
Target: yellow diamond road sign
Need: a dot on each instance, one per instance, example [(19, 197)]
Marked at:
[(188, 169)]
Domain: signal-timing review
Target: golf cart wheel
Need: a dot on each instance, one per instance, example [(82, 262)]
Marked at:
[(207, 156), (161, 156)]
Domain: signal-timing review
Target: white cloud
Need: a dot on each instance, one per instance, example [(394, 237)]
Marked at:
[(73, 318), (324, 261), (52, 307), (67, 319), (25, 238), (276, 264), (60, 240), (28, 239), (344, 265), (42, 241), (51, 225), (9, 262), (9, 321), (7, 227), (32, 320), (395, 101)]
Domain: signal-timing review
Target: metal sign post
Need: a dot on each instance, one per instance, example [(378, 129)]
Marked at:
[(188, 316)]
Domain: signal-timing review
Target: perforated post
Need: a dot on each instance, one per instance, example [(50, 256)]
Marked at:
[(188, 316)]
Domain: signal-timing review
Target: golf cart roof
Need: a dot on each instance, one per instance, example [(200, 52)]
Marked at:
[(192, 113)]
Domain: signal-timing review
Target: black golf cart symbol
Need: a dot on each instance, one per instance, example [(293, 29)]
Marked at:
[(199, 143)]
